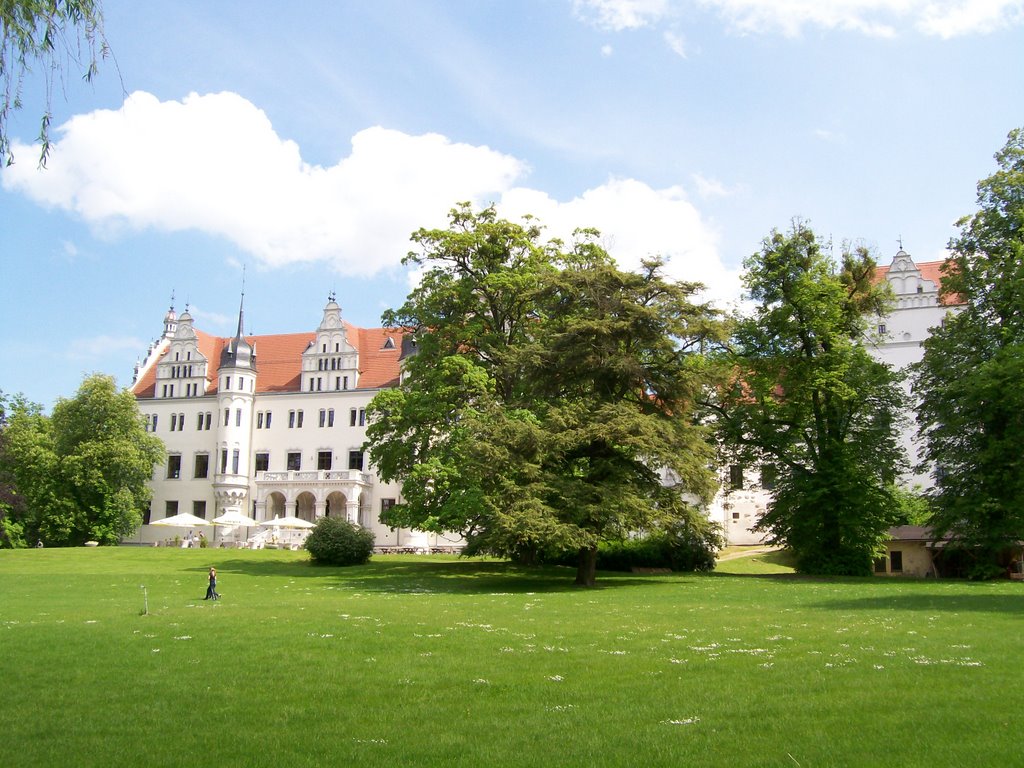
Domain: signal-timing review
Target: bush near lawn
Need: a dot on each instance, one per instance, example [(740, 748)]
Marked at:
[(339, 542), (679, 549)]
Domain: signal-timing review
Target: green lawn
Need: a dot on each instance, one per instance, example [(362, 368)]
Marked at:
[(433, 661)]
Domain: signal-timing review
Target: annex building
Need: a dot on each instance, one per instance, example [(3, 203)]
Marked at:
[(896, 339), (269, 425)]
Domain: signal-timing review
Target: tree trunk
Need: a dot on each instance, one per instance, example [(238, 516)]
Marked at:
[(586, 568)]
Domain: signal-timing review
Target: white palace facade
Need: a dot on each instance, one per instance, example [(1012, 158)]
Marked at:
[(269, 426), (896, 339)]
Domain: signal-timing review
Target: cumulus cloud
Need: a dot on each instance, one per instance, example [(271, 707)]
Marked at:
[(876, 18), (636, 221), (617, 15), (213, 163)]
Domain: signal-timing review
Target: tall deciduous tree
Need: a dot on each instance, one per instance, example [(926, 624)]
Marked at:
[(547, 389), (53, 34), (82, 472), (800, 393), (969, 381)]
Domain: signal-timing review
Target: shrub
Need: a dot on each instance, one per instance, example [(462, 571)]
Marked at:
[(338, 542)]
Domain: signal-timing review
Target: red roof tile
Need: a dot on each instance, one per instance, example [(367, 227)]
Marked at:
[(279, 359), (930, 270)]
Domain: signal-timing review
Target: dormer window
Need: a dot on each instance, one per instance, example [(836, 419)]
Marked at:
[(920, 289), (390, 343)]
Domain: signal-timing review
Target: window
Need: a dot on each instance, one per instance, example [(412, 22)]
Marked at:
[(234, 462), (269, 414), (323, 460), (323, 417), (362, 417), (174, 422), (896, 561), (259, 420), (227, 382), (880, 564), (735, 515), (295, 461), (149, 425), (736, 477), (881, 329), (352, 417), (173, 467), (330, 417), (298, 419), (181, 422), (385, 506), (199, 423), (223, 460), (202, 465), (199, 509), (344, 382), (262, 462), (170, 508), (768, 477), (227, 416), (337, 382), (241, 383), (154, 422), (291, 419), (355, 460), (238, 417)]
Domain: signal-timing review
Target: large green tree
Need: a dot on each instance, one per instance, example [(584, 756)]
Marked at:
[(547, 389), (50, 34), (82, 471), (801, 394), (969, 382)]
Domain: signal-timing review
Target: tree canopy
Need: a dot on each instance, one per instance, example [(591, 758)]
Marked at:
[(548, 391), (81, 473), (969, 382), (53, 34), (800, 393)]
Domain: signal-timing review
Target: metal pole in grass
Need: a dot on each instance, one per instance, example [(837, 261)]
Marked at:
[(145, 600)]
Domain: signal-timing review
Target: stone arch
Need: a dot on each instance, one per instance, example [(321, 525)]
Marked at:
[(305, 506), (276, 505), (336, 505)]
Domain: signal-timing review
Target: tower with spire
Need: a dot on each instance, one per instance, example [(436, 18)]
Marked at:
[(236, 393)]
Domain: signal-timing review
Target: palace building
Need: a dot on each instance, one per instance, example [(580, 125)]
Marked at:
[(269, 425)]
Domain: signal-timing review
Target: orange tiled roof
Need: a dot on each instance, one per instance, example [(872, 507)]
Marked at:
[(279, 359), (930, 270)]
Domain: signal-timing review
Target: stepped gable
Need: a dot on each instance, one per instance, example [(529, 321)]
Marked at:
[(930, 270), (279, 359)]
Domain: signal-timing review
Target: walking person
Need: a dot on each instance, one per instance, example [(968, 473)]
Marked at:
[(211, 591)]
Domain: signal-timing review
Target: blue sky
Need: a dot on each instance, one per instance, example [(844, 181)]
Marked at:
[(307, 143)]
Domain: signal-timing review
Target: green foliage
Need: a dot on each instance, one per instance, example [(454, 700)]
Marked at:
[(799, 392), (913, 506), (969, 382), (546, 386), (81, 472), (53, 34), (338, 542)]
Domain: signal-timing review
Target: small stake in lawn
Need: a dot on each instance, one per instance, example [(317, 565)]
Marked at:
[(145, 600)]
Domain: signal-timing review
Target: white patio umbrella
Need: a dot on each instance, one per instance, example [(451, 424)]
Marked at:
[(288, 522), (233, 519), (182, 520)]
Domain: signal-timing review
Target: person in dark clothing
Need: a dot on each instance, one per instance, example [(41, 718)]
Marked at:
[(211, 591)]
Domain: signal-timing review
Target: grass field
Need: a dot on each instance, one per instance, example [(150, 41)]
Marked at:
[(434, 661)]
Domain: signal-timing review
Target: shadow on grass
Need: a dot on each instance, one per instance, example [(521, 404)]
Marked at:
[(409, 575)]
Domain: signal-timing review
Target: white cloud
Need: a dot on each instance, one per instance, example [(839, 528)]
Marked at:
[(214, 164), (617, 15), (676, 42), (876, 18), (210, 319), (607, 50), (708, 188), (636, 221)]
